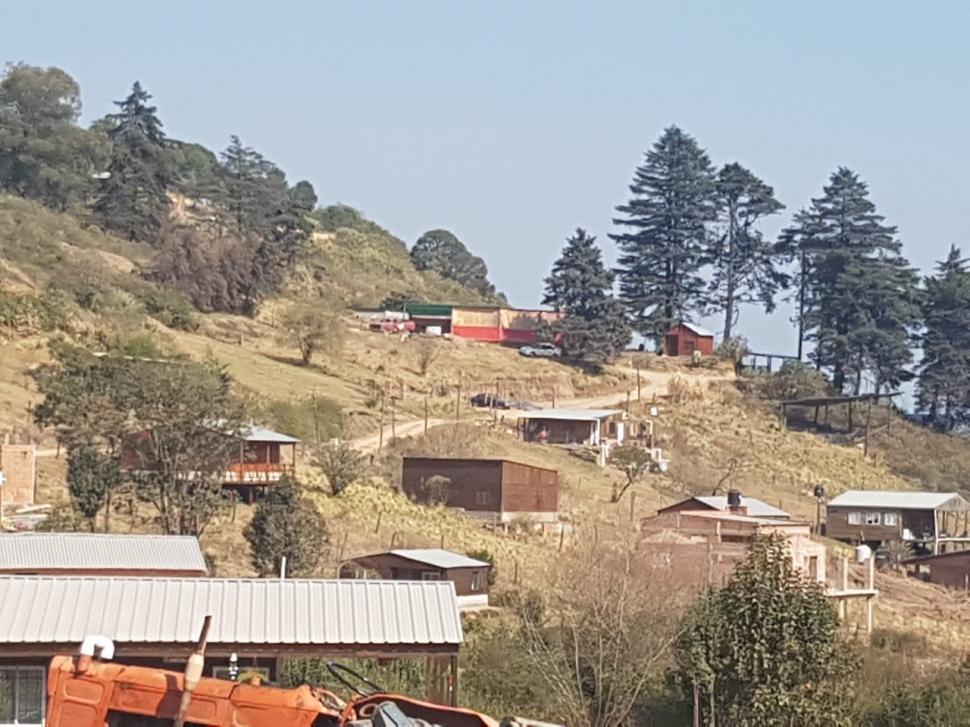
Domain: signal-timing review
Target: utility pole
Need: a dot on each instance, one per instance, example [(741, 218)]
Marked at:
[(458, 404)]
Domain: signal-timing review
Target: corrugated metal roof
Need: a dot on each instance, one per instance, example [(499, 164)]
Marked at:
[(255, 433), (898, 499), (439, 558), (697, 329), (89, 551), (582, 415), (44, 609), (755, 507)]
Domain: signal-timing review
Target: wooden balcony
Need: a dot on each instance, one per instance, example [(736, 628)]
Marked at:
[(256, 473)]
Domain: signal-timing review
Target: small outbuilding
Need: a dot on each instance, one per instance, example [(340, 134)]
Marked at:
[(498, 489), (722, 503), (98, 554), (576, 426), (686, 339), (469, 575), (950, 570)]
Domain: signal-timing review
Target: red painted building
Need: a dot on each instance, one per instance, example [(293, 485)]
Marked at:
[(685, 339), (499, 325)]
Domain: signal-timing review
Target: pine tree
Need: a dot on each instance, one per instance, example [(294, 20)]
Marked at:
[(745, 264), (857, 297), (442, 252), (287, 524), (944, 376), (134, 197), (672, 205), (594, 328)]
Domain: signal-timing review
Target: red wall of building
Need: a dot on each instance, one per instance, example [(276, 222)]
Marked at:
[(678, 339)]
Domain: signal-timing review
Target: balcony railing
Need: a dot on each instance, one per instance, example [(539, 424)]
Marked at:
[(255, 473)]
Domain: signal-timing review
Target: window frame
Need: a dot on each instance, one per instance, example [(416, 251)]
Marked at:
[(890, 519), (431, 575), (854, 518), (16, 670), (873, 518), (476, 581)]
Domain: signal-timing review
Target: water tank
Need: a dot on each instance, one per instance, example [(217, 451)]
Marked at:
[(734, 498), (862, 553)]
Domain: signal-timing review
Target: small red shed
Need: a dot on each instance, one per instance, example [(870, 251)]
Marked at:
[(685, 339)]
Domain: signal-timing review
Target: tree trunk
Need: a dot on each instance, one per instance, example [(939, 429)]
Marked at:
[(729, 293)]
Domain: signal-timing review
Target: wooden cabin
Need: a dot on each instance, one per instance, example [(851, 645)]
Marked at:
[(469, 575), (577, 426), (686, 339), (498, 489), (927, 521), (950, 570)]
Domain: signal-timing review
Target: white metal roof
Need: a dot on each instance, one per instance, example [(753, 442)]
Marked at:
[(582, 415), (697, 329), (254, 433), (45, 609), (755, 507), (898, 499), (439, 558), (88, 551)]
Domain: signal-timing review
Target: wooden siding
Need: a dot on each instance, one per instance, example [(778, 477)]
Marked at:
[(396, 568), (529, 489), (682, 341), (837, 526), (949, 571)]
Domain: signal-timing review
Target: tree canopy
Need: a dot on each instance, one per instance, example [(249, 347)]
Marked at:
[(441, 252), (287, 524)]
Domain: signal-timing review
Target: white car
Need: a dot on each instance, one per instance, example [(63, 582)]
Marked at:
[(541, 350)]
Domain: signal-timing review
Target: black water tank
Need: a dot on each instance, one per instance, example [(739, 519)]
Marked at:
[(734, 498)]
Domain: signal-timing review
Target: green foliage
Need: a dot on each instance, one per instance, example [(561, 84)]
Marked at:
[(941, 701), (441, 252), (43, 154), (169, 307), (341, 464), (338, 216), (313, 328), (766, 649), (944, 376), (634, 462), (287, 524), (745, 264), (672, 205), (400, 676), (91, 478), (794, 380), (133, 199), (29, 313), (486, 555), (859, 300), (594, 328), (311, 419)]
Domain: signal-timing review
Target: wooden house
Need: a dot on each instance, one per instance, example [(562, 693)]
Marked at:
[(264, 457), (924, 520), (950, 570), (469, 575), (686, 339), (498, 489), (721, 503), (576, 426)]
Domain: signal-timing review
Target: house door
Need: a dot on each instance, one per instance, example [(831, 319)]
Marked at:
[(689, 347)]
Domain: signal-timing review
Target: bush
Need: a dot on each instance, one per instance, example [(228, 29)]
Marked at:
[(28, 313), (286, 524), (342, 464), (485, 555), (794, 380), (170, 308)]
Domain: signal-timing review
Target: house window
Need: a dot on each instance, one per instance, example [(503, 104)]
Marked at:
[(22, 693), (855, 518), (890, 518), (482, 497), (476, 581), (872, 518), (429, 575)]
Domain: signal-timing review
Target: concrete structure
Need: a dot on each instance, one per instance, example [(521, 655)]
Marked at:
[(748, 506), (925, 520), (576, 426), (469, 576), (18, 464), (496, 488), (498, 324), (707, 545), (686, 339), (73, 554), (156, 622)]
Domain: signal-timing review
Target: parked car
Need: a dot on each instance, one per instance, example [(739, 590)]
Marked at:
[(524, 406), (489, 401), (541, 350)]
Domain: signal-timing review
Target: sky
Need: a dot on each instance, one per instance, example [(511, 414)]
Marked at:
[(512, 122)]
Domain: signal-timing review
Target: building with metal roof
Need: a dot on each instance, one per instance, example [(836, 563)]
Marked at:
[(439, 558), (687, 339), (575, 426), (748, 506), (100, 554), (900, 499)]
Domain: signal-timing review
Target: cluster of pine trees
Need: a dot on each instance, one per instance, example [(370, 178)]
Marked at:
[(246, 224), (691, 244)]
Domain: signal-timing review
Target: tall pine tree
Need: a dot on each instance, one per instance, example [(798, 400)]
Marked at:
[(672, 205), (134, 197), (594, 328), (944, 375), (745, 264), (858, 295)]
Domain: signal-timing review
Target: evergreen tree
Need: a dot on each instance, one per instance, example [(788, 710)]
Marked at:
[(745, 264), (944, 375), (594, 327), (766, 649), (442, 252), (287, 524), (672, 205), (134, 196), (857, 296), (91, 479)]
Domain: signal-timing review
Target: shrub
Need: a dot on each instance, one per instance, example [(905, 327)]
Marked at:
[(170, 308), (286, 524), (341, 463), (486, 555)]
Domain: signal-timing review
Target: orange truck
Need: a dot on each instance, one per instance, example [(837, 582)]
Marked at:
[(89, 690)]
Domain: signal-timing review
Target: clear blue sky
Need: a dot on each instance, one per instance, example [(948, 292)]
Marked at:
[(513, 122)]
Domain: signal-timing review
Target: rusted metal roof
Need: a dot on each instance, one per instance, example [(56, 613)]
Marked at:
[(88, 551), (753, 506), (245, 611)]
